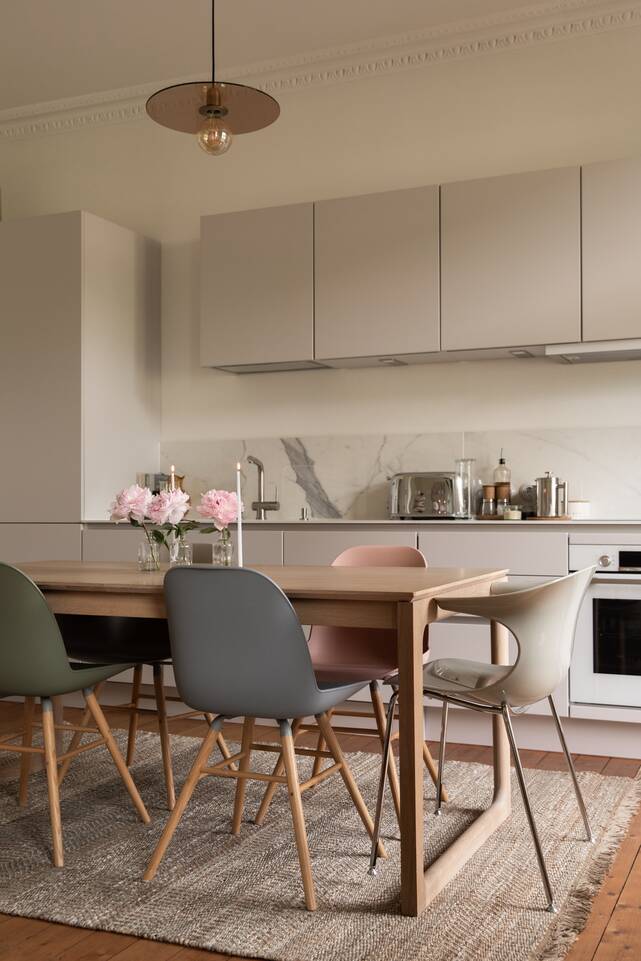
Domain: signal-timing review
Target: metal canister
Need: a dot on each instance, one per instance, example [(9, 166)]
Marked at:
[(547, 495)]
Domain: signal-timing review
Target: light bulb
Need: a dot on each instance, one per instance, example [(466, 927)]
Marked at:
[(214, 137)]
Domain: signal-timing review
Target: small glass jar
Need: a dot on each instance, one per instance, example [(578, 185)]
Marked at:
[(148, 556), (224, 550), (488, 507)]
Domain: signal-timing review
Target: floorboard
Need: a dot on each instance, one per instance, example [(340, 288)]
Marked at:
[(612, 933)]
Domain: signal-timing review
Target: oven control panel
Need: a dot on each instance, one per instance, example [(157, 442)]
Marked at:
[(608, 559)]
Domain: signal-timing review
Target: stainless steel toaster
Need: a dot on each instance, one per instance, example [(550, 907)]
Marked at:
[(433, 494)]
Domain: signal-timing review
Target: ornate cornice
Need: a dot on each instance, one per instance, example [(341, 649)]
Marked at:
[(537, 23)]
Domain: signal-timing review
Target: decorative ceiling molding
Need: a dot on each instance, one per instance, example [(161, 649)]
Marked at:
[(544, 22)]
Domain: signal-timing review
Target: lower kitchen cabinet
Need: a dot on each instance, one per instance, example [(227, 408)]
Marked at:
[(321, 547), (39, 542), (530, 553)]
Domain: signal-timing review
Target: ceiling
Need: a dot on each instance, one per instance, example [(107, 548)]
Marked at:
[(71, 48)]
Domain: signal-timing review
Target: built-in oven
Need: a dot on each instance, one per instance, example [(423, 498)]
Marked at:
[(606, 661)]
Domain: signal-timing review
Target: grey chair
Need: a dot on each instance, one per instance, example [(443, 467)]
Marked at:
[(543, 621), (239, 651), (34, 663)]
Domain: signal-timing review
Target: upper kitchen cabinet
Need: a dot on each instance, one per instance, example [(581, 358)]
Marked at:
[(511, 261), (377, 275), (257, 289), (612, 250), (79, 365)]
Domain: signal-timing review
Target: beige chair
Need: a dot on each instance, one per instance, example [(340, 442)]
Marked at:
[(543, 621)]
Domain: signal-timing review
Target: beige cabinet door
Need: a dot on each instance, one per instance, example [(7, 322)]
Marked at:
[(377, 274), (321, 547), (612, 250), (40, 368), (257, 288), (536, 553), (511, 260), (27, 543)]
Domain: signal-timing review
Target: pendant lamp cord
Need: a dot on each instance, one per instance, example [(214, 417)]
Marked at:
[(213, 42)]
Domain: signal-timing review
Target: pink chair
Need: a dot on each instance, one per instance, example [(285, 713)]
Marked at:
[(344, 654)]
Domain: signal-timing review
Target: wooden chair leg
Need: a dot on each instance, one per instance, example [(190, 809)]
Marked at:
[(296, 804), (433, 770), (381, 722), (320, 746), (77, 738), (278, 770), (345, 772), (51, 762), (119, 761), (241, 783), (133, 716), (183, 799), (27, 740), (165, 744), (318, 761)]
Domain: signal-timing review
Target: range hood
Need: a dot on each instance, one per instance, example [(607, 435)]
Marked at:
[(599, 351)]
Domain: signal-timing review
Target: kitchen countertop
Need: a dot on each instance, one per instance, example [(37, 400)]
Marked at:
[(386, 522)]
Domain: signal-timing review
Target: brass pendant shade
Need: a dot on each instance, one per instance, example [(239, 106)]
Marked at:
[(212, 109)]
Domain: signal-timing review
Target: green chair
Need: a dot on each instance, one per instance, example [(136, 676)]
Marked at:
[(34, 663)]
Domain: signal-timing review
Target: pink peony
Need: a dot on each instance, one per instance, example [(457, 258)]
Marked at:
[(219, 506), (168, 507), (132, 503)]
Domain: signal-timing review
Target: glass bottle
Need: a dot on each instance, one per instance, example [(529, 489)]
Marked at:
[(502, 473)]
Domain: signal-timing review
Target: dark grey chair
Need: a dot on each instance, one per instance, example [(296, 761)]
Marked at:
[(239, 651)]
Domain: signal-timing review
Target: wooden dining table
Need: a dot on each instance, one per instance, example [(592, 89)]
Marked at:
[(404, 599)]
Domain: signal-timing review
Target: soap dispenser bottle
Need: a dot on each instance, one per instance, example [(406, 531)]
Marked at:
[(502, 473)]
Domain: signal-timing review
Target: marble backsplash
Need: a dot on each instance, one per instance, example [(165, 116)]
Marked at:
[(346, 476)]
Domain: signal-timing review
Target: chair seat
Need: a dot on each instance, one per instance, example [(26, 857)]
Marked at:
[(82, 676), (352, 673), (460, 676)]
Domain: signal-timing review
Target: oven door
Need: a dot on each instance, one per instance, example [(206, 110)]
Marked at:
[(606, 661)]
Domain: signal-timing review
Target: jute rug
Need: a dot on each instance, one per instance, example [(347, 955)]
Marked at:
[(243, 896)]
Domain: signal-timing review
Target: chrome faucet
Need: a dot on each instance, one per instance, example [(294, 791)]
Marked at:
[(261, 506)]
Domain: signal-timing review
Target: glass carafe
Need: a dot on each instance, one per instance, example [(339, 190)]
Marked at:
[(465, 470)]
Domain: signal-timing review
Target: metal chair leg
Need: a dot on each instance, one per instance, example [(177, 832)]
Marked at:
[(528, 809), (441, 759), (381, 784), (570, 763)]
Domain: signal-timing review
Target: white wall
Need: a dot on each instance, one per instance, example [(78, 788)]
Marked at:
[(548, 105)]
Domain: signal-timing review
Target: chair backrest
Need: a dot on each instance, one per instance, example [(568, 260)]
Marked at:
[(343, 648), (237, 645), (33, 660), (543, 621)]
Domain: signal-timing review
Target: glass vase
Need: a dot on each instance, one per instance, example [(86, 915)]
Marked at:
[(224, 550), (148, 556), (180, 552)]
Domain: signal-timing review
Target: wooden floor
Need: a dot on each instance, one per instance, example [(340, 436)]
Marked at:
[(613, 930)]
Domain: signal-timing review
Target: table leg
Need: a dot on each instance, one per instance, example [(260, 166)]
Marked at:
[(411, 620), (441, 871), (500, 641)]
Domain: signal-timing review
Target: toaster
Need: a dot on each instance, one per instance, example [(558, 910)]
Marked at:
[(433, 494)]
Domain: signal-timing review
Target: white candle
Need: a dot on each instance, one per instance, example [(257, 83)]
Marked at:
[(173, 477), (240, 517)]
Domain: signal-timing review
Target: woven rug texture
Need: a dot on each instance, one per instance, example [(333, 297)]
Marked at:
[(243, 896)]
